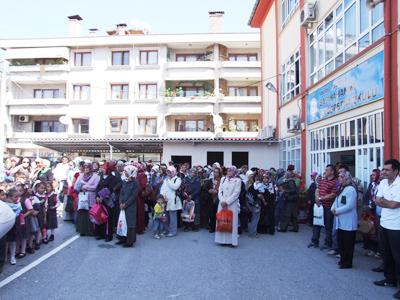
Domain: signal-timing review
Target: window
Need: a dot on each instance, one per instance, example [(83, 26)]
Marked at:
[(242, 125), (190, 125), (120, 58), (83, 59), (46, 93), (243, 57), (288, 7), (148, 57), (290, 153), (49, 126), (346, 31), (119, 126), (290, 82), (81, 126), (189, 57), (81, 92), (119, 91), (237, 91), (192, 91), (147, 125), (215, 156), (240, 159), (148, 91)]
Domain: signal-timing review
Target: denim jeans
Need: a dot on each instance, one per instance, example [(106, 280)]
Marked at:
[(328, 221), (173, 222), (255, 217), (158, 226)]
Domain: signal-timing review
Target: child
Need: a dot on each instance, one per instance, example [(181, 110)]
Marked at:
[(31, 221), (13, 203), (38, 203), (51, 212), (159, 217), (187, 214), (21, 229)]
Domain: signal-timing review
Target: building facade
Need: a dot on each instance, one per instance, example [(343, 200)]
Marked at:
[(333, 67), (130, 94)]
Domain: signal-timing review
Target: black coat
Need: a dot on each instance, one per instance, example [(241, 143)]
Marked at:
[(128, 196)]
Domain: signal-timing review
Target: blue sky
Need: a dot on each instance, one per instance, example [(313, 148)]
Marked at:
[(48, 18)]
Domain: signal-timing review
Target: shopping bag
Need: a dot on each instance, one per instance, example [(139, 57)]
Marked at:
[(122, 227), (318, 219), (98, 214), (224, 221), (7, 218), (83, 201)]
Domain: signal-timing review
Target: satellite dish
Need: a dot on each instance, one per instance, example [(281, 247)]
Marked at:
[(65, 120)]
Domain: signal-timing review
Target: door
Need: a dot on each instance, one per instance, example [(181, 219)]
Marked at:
[(213, 157)]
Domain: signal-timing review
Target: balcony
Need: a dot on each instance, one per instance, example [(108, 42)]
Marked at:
[(189, 134), (35, 101), (190, 70), (241, 99), (240, 70), (40, 68), (37, 135)]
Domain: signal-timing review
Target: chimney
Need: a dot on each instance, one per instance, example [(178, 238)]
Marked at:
[(93, 31), (216, 21), (121, 29), (75, 25)]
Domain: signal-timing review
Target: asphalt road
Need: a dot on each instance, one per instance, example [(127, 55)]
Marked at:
[(191, 266)]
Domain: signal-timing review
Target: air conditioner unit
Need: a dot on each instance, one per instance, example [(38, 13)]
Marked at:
[(293, 123), (267, 132), (308, 14), (23, 119), (373, 3)]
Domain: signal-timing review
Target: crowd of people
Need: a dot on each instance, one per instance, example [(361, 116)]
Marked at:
[(123, 199)]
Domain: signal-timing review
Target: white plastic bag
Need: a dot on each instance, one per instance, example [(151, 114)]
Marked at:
[(7, 218), (122, 227), (318, 215), (83, 201)]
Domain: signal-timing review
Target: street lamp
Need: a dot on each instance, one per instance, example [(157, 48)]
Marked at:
[(271, 87)]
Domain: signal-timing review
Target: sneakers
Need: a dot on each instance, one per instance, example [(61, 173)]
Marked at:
[(13, 261), (156, 236), (333, 252), (162, 235), (170, 235), (312, 245)]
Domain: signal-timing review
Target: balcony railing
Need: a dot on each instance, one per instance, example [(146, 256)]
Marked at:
[(40, 68), (39, 101)]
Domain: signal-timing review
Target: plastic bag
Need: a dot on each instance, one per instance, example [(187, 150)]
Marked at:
[(98, 214), (224, 221), (318, 219), (83, 201), (122, 227)]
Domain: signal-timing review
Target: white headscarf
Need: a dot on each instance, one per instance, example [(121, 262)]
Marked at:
[(131, 171), (172, 170)]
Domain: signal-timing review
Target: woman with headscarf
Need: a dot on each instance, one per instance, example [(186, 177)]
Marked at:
[(127, 199), (210, 200), (45, 174), (174, 203), (192, 180), (106, 194), (345, 211), (87, 183), (144, 192), (229, 192)]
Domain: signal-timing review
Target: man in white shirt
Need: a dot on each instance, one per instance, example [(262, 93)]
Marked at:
[(388, 197)]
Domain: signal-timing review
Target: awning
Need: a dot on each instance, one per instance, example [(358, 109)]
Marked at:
[(131, 145), (26, 53)]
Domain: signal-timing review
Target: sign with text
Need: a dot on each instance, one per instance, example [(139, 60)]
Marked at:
[(359, 86)]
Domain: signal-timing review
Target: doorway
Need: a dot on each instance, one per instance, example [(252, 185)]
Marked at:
[(240, 159), (213, 157), (182, 159), (347, 158)]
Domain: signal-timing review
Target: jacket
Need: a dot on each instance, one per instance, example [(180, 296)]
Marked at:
[(168, 190), (346, 209)]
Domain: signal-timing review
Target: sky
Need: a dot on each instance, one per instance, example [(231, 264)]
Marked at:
[(48, 18)]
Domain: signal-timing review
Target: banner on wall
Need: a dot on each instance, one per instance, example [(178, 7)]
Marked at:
[(359, 86)]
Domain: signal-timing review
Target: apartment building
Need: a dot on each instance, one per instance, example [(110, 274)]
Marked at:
[(130, 94), (331, 81)]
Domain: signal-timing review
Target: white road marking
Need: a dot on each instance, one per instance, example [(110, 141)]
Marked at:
[(37, 262)]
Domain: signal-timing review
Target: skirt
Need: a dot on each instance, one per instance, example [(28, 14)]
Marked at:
[(83, 224), (17, 233), (51, 220)]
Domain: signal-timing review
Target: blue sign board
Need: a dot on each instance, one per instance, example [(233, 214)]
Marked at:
[(359, 86)]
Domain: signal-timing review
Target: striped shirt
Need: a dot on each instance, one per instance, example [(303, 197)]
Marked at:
[(325, 187)]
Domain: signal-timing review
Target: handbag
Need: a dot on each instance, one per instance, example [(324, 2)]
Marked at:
[(318, 219), (224, 221), (122, 227), (366, 226), (83, 201), (98, 214)]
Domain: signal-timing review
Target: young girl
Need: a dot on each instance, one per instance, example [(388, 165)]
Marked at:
[(159, 217), (21, 229), (51, 212), (13, 203), (31, 221), (38, 203), (187, 214)]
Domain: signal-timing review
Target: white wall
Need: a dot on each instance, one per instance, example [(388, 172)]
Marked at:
[(260, 155)]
